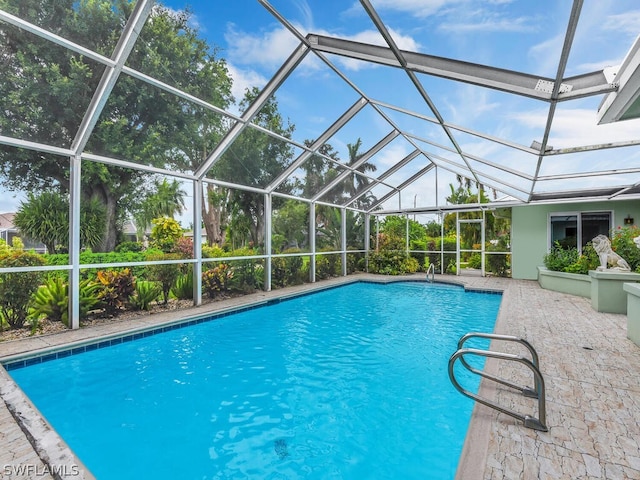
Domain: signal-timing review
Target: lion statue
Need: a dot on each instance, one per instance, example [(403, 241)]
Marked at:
[(602, 246)]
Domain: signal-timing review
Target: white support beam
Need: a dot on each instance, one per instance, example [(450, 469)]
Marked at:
[(403, 185), (197, 186), (110, 76), (74, 241), (562, 65), (321, 140), (263, 97), (343, 240), (268, 227), (588, 84), (312, 242)]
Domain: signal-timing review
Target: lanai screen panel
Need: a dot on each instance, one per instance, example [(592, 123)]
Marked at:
[(45, 88)]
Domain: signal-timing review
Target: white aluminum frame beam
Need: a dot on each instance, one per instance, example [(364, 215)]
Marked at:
[(562, 65), (373, 14), (321, 140), (263, 97), (585, 85), (363, 159), (110, 76)]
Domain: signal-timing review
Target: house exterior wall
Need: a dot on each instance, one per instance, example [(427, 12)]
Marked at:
[(529, 230)]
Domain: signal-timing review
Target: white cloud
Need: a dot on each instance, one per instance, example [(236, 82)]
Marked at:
[(267, 49), (578, 127), (417, 8), (547, 54), (476, 102), (244, 79), (270, 49), (485, 22), (627, 22)]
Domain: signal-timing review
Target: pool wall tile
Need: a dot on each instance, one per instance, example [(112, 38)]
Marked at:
[(13, 365)]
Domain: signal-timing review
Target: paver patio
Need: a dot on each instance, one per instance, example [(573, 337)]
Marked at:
[(591, 370)]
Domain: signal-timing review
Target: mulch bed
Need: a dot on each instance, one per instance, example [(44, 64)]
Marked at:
[(47, 326)]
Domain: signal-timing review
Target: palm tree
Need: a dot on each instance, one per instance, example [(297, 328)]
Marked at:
[(166, 200), (357, 182)]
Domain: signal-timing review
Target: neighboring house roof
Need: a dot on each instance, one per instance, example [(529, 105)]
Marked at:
[(6, 221), (129, 228)]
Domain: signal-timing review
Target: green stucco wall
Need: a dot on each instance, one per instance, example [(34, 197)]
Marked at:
[(529, 234)]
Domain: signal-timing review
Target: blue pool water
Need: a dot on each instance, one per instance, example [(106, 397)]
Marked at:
[(347, 383)]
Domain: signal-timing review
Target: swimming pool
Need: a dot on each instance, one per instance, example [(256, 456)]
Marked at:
[(346, 383)]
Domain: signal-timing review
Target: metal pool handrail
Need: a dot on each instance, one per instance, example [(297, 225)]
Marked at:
[(537, 392), (432, 269)]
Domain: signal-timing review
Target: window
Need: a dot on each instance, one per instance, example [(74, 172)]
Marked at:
[(576, 229)]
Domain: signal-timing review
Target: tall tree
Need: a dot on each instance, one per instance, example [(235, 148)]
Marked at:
[(358, 182), (318, 169), (165, 200), (256, 159), (44, 217), (46, 89)]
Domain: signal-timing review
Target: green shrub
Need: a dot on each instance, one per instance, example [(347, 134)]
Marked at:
[(89, 257), (51, 300), (125, 247), (213, 251), (258, 276), (165, 233), (355, 262), (166, 274), (327, 266), (499, 264), (475, 261), (16, 289), (216, 279), (587, 261), (116, 287), (183, 287), (622, 243), (559, 259), (451, 267), (278, 272), (146, 292), (244, 276), (184, 247)]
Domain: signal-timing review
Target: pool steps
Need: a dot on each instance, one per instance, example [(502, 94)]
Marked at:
[(538, 391)]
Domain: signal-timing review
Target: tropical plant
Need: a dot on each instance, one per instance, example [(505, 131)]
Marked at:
[(216, 279), (146, 292), (17, 288), (44, 217), (559, 259), (129, 247), (327, 265), (164, 273), (166, 200), (116, 287), (183, 287), (391, 258), (622, 243), (357, 181), (258, 276), (183, 247), (135, 124), (165, 233), (51, 300)]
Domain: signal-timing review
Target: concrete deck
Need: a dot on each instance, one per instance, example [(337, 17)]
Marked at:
[(591, 370)]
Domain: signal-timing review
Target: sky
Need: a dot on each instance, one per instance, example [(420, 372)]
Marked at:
[(519, 35)]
